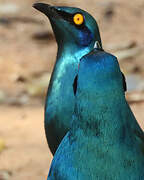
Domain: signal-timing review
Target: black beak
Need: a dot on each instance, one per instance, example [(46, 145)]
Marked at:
[(53, 12), (41, 7), (47, 9)]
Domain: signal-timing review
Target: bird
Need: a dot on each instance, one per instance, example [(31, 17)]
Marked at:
[(105, 141), (76, 33)]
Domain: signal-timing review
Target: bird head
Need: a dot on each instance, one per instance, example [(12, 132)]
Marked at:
[(71, 25)]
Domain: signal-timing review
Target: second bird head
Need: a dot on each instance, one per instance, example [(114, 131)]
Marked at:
[(71, 25)]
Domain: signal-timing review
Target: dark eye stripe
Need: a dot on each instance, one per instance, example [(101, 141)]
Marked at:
[(69, 17), (66, 16)]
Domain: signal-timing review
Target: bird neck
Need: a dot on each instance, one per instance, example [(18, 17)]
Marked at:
[(68, 43), (67, 51)]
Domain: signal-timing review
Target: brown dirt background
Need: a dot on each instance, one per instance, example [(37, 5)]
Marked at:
[(24, 59)]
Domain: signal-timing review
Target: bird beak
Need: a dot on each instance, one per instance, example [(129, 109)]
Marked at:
[(48, 10)]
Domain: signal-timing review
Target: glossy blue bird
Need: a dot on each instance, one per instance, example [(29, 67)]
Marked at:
[(76, 32), (105, 141)]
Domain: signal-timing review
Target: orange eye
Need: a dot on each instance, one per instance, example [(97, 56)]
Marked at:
[(78, 19)]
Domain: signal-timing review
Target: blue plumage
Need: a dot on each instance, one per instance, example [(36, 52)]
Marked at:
[(74, 41), (105, 141)]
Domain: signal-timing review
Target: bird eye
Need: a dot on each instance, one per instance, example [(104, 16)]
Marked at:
[(78, 19)]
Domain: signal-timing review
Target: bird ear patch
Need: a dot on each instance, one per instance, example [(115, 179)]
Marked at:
[(78, 19)]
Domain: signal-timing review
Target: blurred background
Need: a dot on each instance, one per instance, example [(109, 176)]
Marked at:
[(27, 55)]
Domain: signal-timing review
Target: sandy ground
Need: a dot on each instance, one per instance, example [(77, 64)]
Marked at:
[(27, 155)]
